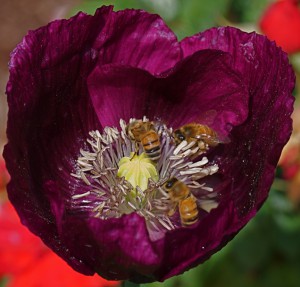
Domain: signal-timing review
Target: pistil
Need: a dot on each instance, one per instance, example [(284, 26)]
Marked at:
[(137, 170)]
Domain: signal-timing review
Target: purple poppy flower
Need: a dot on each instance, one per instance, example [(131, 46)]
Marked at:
[(84, 94)]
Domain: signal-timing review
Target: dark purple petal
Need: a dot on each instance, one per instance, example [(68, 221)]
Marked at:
[(201, 88), (121, 89), (132, 37)]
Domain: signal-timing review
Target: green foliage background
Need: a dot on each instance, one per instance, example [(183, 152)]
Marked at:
[(266, 253), (187, 17)]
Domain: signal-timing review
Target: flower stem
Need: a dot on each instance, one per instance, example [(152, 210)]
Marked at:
[(129, 284)]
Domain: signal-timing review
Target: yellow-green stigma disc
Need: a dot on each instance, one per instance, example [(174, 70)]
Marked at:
[(137, 169)]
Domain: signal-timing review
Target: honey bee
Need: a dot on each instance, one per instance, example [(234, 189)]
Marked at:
[(181, 196), (204, 136), (145, 133)]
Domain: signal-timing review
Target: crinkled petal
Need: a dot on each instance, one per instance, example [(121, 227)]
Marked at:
[(132, 37), (202, 88)]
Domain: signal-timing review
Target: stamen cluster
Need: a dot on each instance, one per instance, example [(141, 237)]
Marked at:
[(112, 196)]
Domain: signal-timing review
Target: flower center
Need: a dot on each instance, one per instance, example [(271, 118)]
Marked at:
[(147, 168), (137, 169)]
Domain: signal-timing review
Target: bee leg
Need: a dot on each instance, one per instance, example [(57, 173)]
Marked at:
[(202, 148), (172, 211), (136, 151), (134, 154), (198, 153)]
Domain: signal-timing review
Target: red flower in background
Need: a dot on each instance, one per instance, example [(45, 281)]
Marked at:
[(281, 22), (28, 262), (290, 161)]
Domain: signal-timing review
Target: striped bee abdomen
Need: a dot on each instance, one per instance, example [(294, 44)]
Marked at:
[(188, 211), (151, 144)]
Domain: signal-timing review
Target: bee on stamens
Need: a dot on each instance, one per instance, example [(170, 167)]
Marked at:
[(145, 133), (204, 136), (181, 197)]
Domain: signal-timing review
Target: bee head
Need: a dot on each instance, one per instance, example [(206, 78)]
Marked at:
[(179, 136), (134, 129), (170, 183)]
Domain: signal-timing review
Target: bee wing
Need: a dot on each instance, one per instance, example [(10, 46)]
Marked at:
[(206, 118), (213, 140), (219, 140), (207, 204), (159, 125)]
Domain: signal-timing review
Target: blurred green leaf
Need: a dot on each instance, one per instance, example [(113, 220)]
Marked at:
[(247, 10), (280, 274), (252, 250), (278, 199), (191, 17), (90, 6), (288, 223), (198, 15), (87, 6), (168, 283), (129, 284)]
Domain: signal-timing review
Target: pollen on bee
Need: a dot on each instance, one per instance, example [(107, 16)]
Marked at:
[(147, 168)]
